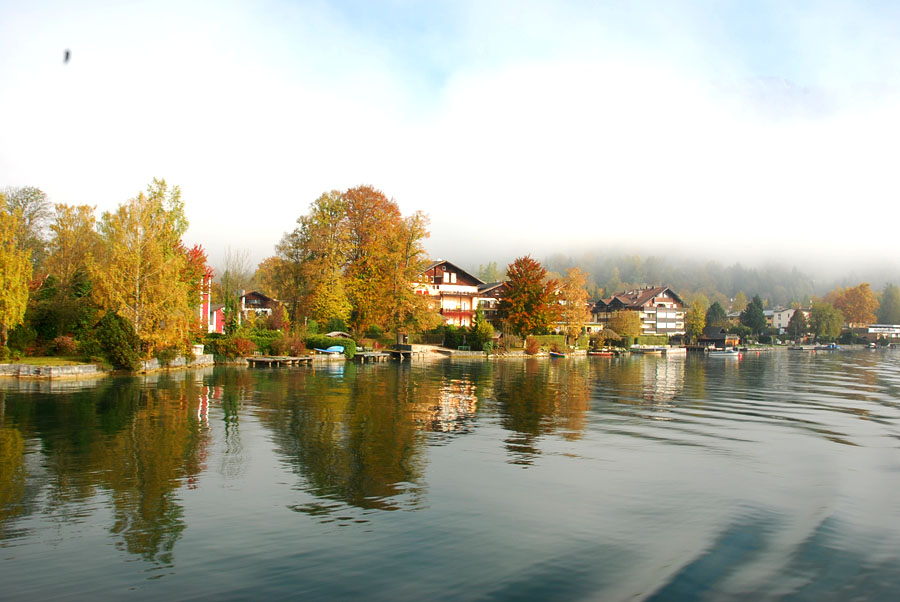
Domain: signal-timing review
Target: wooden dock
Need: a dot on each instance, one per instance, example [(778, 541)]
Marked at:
[(278, 360), (371, 356)]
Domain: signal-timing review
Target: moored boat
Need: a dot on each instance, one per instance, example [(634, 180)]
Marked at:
[(557, 354)]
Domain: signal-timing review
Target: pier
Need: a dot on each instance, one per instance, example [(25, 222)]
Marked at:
[(371, 356), (278, 360)]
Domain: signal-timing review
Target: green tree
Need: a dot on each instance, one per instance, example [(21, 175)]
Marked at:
[(825, 320), (753, 317), (889, 308), (529, 305), (15, 274), (490, 272), (797, 326), (481, 332), (32, 211), (716, 316)]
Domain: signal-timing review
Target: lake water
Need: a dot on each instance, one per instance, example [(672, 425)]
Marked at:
[(773, 477)]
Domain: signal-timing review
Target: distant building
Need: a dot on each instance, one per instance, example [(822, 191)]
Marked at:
[(717, 337), (212, 317), (660, 309), (258, 303), (454, 290), (489, 296), (778, 318)]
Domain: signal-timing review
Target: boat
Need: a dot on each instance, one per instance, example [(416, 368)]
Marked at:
[(334, 349), (724, 353), (828, 347), (602, 353), (557, 354)]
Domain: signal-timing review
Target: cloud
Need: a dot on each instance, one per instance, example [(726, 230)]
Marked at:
[(519, 128)]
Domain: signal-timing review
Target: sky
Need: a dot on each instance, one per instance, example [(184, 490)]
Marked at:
[(736, 131)]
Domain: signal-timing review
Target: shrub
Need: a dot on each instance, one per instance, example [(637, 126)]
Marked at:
[(532, 345), (290, 344), (118, 341), (64, 345), (320, 341), (373, 332), (556, 347), (335, 324), (235, 346), (22, 337), (166, 355), (4, 353), (487, 347), (265, 339)]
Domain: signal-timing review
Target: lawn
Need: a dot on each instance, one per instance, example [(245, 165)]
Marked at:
[(50, 361)]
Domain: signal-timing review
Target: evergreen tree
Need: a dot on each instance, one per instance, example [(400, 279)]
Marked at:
[(753, 317), (889, 308), (716, 316)]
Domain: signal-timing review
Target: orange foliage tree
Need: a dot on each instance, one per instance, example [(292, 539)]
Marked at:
[(858, 303), (529, 305)]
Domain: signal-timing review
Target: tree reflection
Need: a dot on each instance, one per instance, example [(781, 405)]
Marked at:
[(540, 398), (351, 436), (138, 444)]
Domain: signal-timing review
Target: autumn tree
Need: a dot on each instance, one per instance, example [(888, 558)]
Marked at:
[(889, 308), (716, 316), (529, 304), (404, 261), (825, 320), (857, 304), (625, 323), (373, 220), (140, 269), (324, 240), (695, 317), (73, 242), (739, 303), (15, 274), (573, 298)]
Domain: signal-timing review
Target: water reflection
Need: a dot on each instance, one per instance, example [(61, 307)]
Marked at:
[(351, 440), (539, 398), (131, 445)]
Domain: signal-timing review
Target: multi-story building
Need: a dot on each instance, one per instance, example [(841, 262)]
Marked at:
[(454, 290), (660, 309)]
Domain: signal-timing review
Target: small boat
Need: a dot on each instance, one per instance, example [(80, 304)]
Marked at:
[(828, 347), (724, 353), (334, 349), (557, 354), (602, 353)]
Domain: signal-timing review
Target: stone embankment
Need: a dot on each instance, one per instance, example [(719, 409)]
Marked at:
[(28, 371), (179, 362)]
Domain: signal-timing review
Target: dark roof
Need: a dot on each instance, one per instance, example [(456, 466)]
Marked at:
[(638, 297), (485, 288), (456, 267)]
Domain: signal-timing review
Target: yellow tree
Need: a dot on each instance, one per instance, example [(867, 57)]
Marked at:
[(373, 221), (73, 241), (858, 304), (15, 274), (626, 323), (140, 268), (573, 310), (404, 261)]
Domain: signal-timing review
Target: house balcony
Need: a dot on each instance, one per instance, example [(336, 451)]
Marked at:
[(457, 316)]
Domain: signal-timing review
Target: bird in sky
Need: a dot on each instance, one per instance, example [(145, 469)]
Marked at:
[(66, 56)]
